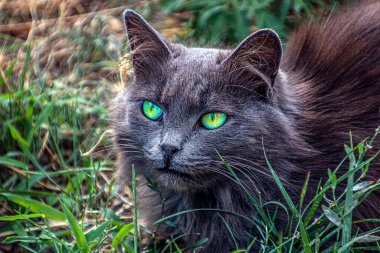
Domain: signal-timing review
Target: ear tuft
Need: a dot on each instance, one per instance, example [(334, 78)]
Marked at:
[(147, 46), (260, 54)]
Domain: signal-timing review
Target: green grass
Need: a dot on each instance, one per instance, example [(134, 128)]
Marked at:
[(230, 21), (57, 196)]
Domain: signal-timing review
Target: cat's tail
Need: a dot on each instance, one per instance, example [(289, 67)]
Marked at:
[(333, 68)]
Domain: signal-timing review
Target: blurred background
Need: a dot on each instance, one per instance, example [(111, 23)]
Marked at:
[(61, 63)]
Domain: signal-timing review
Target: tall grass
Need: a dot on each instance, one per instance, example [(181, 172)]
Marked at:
[(55, 196)]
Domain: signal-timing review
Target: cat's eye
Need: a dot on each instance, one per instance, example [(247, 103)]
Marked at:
[(213, 120), (151, 110)]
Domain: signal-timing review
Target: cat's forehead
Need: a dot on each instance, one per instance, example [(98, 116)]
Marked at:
[(201, 55), (193, 74)]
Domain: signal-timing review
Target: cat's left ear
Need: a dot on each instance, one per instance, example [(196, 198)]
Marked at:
[(259, 54)]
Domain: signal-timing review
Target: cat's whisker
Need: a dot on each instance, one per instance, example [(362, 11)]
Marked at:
[(248, 176), (252, 178), (236, 158), (223, 173)]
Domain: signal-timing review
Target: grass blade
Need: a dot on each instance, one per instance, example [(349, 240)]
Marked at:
[(332, 216), (41, 119), (25, 68), (36, 206), (229, 231), (76, 230), (304, 189), (258, 208), (304, 236), (17, 136), (96, 232), (21, 217), (135, 228), (124, 231), (12, 162), (347, 220)]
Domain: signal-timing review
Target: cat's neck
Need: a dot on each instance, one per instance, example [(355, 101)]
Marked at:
[(285, 96), (208, 213)]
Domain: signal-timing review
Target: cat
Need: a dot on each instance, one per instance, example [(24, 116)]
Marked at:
[(186, 104)]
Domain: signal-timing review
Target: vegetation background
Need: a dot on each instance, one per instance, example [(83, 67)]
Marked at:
[(61, 62)]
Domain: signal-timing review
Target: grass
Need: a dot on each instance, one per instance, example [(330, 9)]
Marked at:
[(212, 19), (53, 108), (55, 86)]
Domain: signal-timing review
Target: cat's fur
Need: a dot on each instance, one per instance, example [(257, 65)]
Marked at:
[(302, 106)]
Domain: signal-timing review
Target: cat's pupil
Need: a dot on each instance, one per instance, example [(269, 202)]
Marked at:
[(212, 116)]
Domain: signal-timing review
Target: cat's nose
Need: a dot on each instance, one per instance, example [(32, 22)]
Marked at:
[(169, 151)]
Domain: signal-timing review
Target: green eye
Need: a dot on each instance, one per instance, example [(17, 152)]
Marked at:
[(213, 120), (151, 110)]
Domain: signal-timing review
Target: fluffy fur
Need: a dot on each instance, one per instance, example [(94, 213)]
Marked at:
[(302, 106)]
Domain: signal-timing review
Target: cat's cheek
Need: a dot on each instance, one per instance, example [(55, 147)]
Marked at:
[(153, 155)]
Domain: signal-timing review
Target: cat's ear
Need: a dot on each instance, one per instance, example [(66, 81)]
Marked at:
[(259, 55), (148, 48)]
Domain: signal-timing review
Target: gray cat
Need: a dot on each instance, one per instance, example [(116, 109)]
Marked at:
[(186, 104)]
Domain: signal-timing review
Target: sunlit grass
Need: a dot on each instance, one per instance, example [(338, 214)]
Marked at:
[(57, 196)]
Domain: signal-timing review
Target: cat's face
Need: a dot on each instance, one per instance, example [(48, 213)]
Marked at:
[(187, 104)]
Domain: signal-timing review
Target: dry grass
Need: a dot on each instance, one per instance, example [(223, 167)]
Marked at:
[(61, 62)]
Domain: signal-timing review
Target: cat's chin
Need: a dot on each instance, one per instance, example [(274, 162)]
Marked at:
[(175, 181)]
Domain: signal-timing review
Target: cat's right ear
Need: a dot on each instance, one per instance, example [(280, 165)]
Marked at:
[(256, 61), (148, 48)]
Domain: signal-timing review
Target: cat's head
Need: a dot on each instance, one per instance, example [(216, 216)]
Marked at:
[(186, 104)]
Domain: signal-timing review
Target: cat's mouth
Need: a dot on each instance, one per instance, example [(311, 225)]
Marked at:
[(181, 178), (170, 171), (173, 178)]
